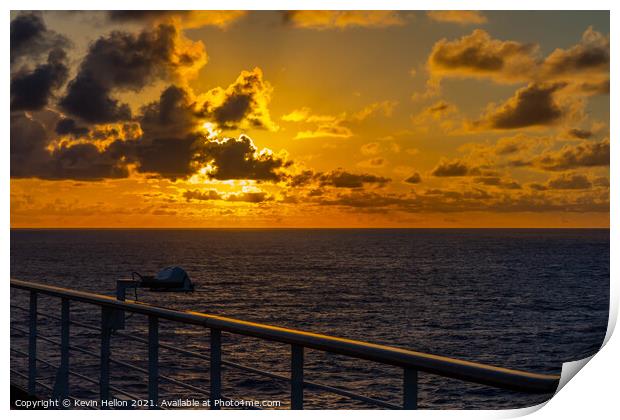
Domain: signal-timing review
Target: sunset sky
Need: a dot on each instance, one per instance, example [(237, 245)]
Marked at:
[(310, 119)]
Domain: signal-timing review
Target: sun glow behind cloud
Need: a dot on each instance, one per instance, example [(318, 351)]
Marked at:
[(218, 122)]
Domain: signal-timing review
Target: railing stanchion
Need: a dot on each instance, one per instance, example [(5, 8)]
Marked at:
[(410, 361), (410, 389), (32, 345), (104, 360), (153, 361), (216, 367), (297, 377), (61, 387)]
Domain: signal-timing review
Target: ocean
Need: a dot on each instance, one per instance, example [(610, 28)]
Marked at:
[(526, 299)]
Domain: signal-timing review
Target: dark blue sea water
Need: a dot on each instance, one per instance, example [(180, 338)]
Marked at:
[(523, 299)]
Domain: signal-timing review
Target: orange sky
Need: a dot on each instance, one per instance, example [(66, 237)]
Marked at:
[(310, 119)]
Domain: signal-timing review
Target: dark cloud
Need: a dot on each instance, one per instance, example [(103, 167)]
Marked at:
[(589, 56), (173, 145), (84, 161), (570, 182), (28, 141), (169, 143), (173, 115), (246, 197), (342, 179), (124, 61), (580, 133), (202, 195), (477, 54), (167, 157), (541, 202), (586, 154), (338, 178), (452, 168), (169, 140), (68, 126), (369, 200), (91, 101), (238, 158), (132, 61), (533, 105), (31, 38), (414, 179), (32, 90), (142, 15), (496, 181), (232, 110), (243, 103), (478, 200), (31, 159), (471, 194), (584, 67)]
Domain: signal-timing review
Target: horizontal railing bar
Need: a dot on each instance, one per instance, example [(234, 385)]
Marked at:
[(308, 384), (79, 375), (49, 388), (18, 373), (57, 318), (119, 362), (444, 366), (238, 366), (22, 375), (73, 322)]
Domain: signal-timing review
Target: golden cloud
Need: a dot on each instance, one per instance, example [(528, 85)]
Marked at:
[(243, 104), (187, 19), (480, 56), (532, 106), (330, 19), (584, 67), (461, 17)]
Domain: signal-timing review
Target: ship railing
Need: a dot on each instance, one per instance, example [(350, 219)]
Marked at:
[(411, 362)]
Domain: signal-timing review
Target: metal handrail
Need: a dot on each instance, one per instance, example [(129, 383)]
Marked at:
[(163, 378), (227, 363), (76, 374), (410, 361), (118, 362)]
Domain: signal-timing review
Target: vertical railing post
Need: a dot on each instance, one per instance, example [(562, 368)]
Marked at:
[(153, 361), (410, 389), (32, 345), (297, 377), (61, 388), (216, 367), (104, 360)]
